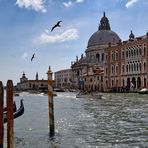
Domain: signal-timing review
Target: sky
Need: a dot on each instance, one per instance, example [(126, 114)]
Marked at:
[(25, 29)]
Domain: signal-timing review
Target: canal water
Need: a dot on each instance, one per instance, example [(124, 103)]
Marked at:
[(116, 120)]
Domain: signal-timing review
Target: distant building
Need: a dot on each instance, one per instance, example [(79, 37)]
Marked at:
[(25, 84), (63, 78)]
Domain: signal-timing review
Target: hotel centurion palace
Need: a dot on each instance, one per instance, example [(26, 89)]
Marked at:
[(110, 64)]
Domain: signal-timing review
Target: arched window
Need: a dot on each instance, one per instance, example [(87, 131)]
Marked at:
[(144, 51), (98, 56), (122, 68), (116, 56), (112, 69), (129, 67), (116, 69), (123, 82), (139, 51), (112, 56), (122, 54), (134, 67), (126, 68), (112, 82), (140, 67), (144, 66), (134, 52), (106, 57), (144, 82), (101, 78), (30, 85), (106, 71), (137, 67), (116, 82), (102, 56), (129, 53), (106, 83)]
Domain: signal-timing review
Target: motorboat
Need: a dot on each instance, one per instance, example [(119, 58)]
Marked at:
[(143, 91), (16, 94), (59, 90), (16, 113), (89, 95)]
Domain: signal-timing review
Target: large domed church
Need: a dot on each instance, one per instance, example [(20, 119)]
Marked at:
[(110, 64), (94, 59), (99, 41)]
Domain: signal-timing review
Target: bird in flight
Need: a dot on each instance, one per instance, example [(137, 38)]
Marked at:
[(33, 56), (56, 25)]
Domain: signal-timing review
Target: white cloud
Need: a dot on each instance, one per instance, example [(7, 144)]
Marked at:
[(79, 1), (131, 2), (70, 34), (24, 55), (47, 31), (70, 3), (37, 5), (67, 4)]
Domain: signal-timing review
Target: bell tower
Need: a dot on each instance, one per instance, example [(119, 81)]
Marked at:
[(23, 78), (37, 76)]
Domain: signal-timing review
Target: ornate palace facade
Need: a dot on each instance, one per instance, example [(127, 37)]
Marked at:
[(110, 64)]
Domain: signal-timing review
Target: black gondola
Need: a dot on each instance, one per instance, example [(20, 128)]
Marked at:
[(14, 108), (18, 112)]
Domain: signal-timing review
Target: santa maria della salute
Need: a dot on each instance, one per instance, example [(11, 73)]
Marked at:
[(109, 64)]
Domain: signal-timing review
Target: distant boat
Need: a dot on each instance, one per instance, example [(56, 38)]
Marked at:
[(89, 95), (16, 94), (46, 93), (59, 90), (17, 113), (143, 91)]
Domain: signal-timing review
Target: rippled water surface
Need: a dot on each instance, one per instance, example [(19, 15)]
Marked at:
[(116, 120)]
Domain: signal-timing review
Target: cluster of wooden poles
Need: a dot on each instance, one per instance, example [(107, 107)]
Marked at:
[(10, 118), (10, 109)]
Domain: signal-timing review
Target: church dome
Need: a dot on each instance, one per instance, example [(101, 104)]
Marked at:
[(104, 35)]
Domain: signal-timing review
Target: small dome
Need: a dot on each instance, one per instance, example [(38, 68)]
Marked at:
[(131, 36), (102, 37)]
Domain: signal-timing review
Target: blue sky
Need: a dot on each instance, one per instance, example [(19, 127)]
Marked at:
[(25, 29)]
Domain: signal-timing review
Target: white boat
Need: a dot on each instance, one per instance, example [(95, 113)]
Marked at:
[(16, 94), (143, 91), (89, 95)]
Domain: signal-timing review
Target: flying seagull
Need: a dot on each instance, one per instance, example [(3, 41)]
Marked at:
[(33, 56), (56, 25)]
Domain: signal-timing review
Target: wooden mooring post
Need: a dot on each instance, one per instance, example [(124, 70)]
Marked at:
[(50, 102), (10, 117), (1, 115)]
